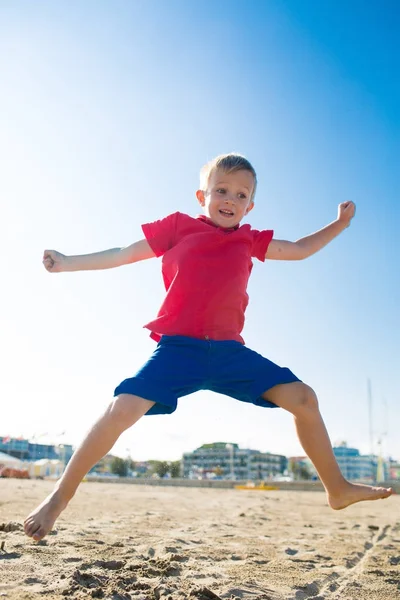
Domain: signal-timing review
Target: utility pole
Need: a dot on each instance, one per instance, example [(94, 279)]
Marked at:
[(371, 435), (380, 470)]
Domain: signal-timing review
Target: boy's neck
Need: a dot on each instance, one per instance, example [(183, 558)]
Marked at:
[(206, 219)]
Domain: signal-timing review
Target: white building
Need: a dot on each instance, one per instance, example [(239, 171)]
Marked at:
[(227, 461)]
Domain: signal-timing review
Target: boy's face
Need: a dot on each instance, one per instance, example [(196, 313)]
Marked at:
[(227, 198)]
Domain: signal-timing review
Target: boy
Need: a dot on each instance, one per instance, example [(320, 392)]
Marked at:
[(206, 265)]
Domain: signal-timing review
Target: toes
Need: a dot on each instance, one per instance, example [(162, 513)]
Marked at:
[(39, 534), (383, 492), (28, 526), (32, 529)]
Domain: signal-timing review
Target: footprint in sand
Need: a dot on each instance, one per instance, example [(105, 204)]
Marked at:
[(113, 565), (291, 551), (32, 580), (11, 526), (72, 559), (311, 589)]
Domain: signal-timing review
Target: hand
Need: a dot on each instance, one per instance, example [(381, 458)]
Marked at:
[(346, 212), (54, 261)]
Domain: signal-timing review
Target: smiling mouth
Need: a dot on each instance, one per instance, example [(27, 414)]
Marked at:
[(226, 213)]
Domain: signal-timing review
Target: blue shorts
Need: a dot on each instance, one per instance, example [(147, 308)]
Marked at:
[(182, 365)]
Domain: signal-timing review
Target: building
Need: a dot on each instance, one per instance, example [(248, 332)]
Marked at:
[(8, 461), (359, 467), (25, 450), (353, 465), (394, 469), (227, 461)]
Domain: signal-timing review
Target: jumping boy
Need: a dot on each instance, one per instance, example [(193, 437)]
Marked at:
[(206, 265)]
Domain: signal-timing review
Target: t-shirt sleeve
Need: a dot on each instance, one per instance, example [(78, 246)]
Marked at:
[(261, 241), (161, 235)]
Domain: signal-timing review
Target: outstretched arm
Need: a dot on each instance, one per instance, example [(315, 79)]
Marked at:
[(306, 246), (55, 262)]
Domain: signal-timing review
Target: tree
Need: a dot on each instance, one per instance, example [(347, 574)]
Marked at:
[(130, 464), (300, 471), (159, 467), (175, 468), (119, 466)]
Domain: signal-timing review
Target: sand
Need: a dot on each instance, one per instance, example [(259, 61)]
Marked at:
[(121, 542)]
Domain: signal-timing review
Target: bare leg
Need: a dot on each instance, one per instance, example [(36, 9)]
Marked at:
[(301, 401), (123, 412)]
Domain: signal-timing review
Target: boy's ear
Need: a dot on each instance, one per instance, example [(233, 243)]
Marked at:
[(250, 207), (200, 197)]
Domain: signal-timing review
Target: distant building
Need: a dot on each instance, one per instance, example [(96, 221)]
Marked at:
[(353, 465), (25, 450), (142, 468), (227, 461), (394, 469), (358, 467)]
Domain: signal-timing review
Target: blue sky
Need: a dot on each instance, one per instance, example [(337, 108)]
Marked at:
[(108, 110)]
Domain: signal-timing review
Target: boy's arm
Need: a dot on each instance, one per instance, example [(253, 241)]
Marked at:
[(55, 262), (306, 246)]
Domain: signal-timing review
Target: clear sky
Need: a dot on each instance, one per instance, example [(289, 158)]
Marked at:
[(107, 112)]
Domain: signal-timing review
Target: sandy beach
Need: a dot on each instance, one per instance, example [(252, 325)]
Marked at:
[(118, 541)]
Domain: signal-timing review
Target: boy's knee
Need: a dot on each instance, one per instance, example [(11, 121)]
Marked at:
[(307, 400), (297, 398), (123, 408)]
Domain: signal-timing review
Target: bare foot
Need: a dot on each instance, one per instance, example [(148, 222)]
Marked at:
[(41, 520), (357, 492)]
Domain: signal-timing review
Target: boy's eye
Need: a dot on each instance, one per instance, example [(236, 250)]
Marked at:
[(221, 190), (242, 196)]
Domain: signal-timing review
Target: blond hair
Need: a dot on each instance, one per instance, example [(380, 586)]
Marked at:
[(229, 163)]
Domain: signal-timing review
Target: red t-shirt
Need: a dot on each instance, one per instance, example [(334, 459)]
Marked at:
[(205, 270)]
